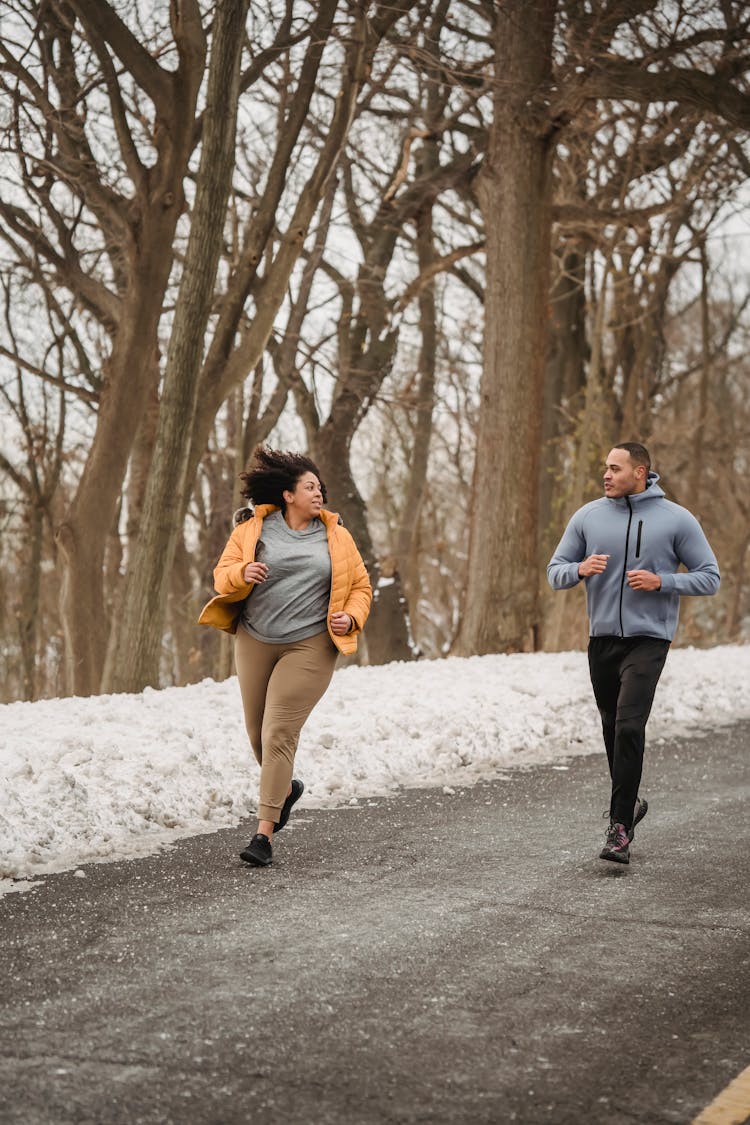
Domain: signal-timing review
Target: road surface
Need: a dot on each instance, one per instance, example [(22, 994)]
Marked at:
[(432, 957)]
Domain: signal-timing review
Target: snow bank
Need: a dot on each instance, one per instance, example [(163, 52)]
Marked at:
[(122, 775)]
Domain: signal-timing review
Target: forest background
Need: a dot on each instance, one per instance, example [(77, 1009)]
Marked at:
[(453, 248)]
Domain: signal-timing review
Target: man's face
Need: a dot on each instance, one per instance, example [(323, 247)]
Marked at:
[(621, 476)]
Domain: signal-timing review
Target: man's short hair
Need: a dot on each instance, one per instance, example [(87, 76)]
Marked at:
[(638, 453)]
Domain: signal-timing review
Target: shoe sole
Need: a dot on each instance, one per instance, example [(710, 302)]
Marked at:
[(279, 826), (643, 809), (254, 860), (614, 857)]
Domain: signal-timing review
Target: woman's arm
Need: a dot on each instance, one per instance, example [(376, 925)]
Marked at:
[(229, 571), (358, 602)]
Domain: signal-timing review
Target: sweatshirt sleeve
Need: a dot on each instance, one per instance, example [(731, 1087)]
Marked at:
[(694, 552), (562, 569)]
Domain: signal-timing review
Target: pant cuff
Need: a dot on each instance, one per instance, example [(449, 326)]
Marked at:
[(269, 812)]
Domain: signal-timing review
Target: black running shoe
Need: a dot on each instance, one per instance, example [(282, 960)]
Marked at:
[(617, 845), (258, 851), (641, 808), (297, 791)]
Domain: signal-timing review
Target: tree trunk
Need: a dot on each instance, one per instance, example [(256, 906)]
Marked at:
[(564, 378), (701, 419), (152, 218), (144, 609), (83, 533), (139, 466), (387, 636), (183, 610), (514, 189), (425, 401), (734, 615), (595, 409), (28, 602), (427, 166)]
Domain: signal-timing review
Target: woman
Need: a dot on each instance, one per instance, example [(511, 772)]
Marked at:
[(293, 588)]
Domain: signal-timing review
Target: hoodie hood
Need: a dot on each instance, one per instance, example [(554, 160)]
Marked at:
[(652, 491)]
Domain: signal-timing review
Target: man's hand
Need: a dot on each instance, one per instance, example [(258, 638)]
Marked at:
[(643, 580), (594, 564)]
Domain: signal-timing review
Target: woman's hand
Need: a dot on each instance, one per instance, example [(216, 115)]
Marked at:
[(341, 623), (255, 572)]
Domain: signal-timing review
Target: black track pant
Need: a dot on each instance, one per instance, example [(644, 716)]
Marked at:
[(624, 674)]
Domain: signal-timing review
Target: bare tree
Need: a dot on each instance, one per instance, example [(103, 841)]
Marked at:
[(633, 53), (515, 193), (135, 654), (39, 391), (136, 221), (382, 152)]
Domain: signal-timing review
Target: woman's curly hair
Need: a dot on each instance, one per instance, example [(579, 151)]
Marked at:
[(273, 472)]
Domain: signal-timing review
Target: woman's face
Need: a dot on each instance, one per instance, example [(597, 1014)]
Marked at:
[(307, 498)]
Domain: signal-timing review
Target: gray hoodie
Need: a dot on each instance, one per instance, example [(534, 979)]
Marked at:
[(644, 531)]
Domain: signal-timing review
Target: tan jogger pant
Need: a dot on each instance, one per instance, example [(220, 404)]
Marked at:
[(280, 685)]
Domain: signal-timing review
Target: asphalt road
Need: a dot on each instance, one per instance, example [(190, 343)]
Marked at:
[(441, 958)]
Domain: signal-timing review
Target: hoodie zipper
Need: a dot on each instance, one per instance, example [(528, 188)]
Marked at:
[(638, 540), (625, 561)]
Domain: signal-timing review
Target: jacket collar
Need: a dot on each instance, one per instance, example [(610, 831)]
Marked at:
[(330, 519)]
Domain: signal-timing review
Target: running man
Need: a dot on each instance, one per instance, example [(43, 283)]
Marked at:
[(627, 547)]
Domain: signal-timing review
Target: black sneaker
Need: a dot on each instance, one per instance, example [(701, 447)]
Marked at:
[(297, 791), (617, 845), (641, 808), (258, 851)]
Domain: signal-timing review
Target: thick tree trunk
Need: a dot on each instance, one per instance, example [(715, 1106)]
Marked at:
[(136, 663), (83, 532), (139, 466), (564, 379), (146, 263), (515, 188)]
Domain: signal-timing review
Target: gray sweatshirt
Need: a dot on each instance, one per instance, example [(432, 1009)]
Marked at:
[(644, 531), (292, 603)]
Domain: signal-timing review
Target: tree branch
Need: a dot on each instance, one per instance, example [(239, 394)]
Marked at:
[(129, 152), (438, 265), (98, 17), (83, 393), (624, 80), (581, 215), (97, 298)]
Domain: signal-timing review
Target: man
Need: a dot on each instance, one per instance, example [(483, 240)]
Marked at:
[(627, 547)]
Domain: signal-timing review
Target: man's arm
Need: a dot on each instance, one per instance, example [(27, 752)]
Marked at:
[(562, 569), (694, 552)]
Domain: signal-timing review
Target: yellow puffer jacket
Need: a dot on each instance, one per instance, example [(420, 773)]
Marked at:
[(350, 586)]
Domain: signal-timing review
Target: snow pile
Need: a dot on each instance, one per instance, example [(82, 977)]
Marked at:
[(121, 775)]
